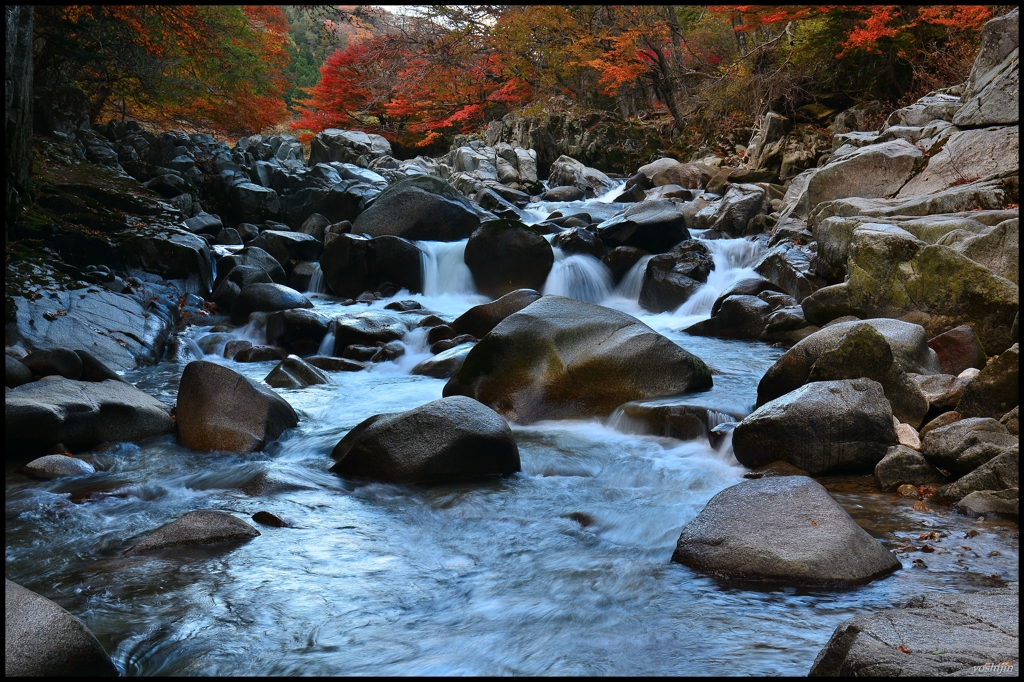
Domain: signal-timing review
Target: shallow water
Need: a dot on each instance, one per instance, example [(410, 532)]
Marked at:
[(562, 569)]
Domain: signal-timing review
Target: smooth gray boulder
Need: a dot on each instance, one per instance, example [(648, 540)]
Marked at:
[(445, 364), (966, 444), (82, 413), (219, 409), (654, 226), (877, 170), (506, 255), (57, 466), (996, 389), (998, 503), (782, 529), (568, 172), (480, 319), (449, 439), (931, 635), (902, 465), (1002, 472), (560, 358), (201, 527), (293, 372), (968, 155), (263, 297), (822, 427), (416, 208), (43, 640), (992, 92)]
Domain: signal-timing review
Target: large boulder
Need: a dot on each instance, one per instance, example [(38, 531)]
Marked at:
[(293, 372), (740, 203), (958, 349), (1002, 472), (254, 203), (877, 170), (993, 88), (300, 330), (170, 253), (419, 207), (255, 257), (347, 146), (672, 278), (367, 329), (997, 248), (43, 640), (568, 172), (902, 466), (448, 439), (353, 264), (894, 274), (219, 409), (562, 358), (782, 529), (935, 635), (968, 155), (789, 267), (907, 345), (505, 255), (263, 297), (965, 445), (287, 246), (82, 413), (822, 427), (738, 317), (197, 528), (445, 364), (480, 319), (655, 226)]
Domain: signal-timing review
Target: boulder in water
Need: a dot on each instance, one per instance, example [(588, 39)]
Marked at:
[(505, 255), (449, 439), (419, 207), (197, 528), (672, 278), (352, 264), (480, 319), (293, 372), (782, 529), (655, 226), (264, 297), (561, 358)]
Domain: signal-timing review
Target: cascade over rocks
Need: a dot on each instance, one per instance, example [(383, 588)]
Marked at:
[(219, 409), (781, 529), (506, 255), (453, 438), (560, 358)]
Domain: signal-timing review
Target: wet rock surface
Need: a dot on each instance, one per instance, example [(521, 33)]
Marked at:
[(197, 528)]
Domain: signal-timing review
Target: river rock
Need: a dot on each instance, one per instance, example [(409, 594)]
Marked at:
[(991, 503), (621, 260), (480, 319), (82, 413), (253, 203), (877, 170), (902, 465), (219, 409), (505, 255), (943, 391), (997, 248), (992, 92), (448, 439), (933, 635), (563, 194), (671, 419), (419, 207), (907, 343), (967, 155), (265, 298), (893, 274), (251, 256), (367, 329), (579, 240), (824, 426), (352, 264), (966, 444), (738, 317), (332, 364), (196, 528), (958, 349), (54, 362), (16, 373), (672, 278), (94, 369), (57, 466), (788, 267), (1011, 420), (445, 364), (347, 146), (43, 640), (1002, 472), (740, 204), (293, 372), (561, 358), (568, 172), (654, 226), (784, 529), (289, 246), (996, 389)]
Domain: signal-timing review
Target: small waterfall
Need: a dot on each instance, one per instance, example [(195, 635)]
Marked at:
[(193, 347), (444, 268), (317, 285), (734, 260), (578, 276), (327, 344), (633, 281)]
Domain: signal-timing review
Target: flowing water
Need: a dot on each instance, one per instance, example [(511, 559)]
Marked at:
[(562, 569)]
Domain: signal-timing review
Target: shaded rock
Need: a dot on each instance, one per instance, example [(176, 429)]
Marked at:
[(43, 640), (448, 344), (253, 203), (82, 413), (991, 503), (788, 267), (672, 278), (902, 465), (776, 468), (999, 473), (265, 518), (562, 358), (259, 354), (289, 246), (300, 330), (568, 172), (440, 333), (621, 259), (944, 419), (739, 317), (563, 194), (907, 345), (233, 348), (57, 466), (419, 207), (93, 369), (332, 364), (315, 225), (996, 389), (944, 635), (389, 351), (958, 349), (505, 255), (404, 306), (16, 373), (347, 146), (445, 364), (738, 206), (673, 420), (352, 264), (1011, 421), (293, 372), (825, 426), (784, 529), (579, 240), (254, 257), (998, 249), (358, 352), (367, 329), (219, 409), (196, 528), (448, 439), (655, 226), (942, 391), (749, 286), (265, 298), (966, 444)]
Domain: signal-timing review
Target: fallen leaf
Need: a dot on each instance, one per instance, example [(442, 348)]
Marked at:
[(813, 522), (965, 547), (928, 536), (904, 649)]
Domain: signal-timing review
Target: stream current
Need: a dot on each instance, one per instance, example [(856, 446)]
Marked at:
[(562, 569)]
